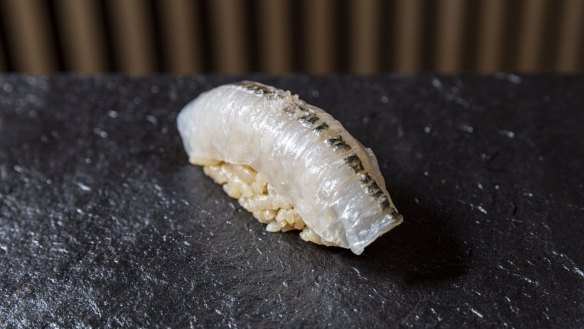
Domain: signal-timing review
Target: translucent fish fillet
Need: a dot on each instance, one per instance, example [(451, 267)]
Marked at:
[(314, 170)]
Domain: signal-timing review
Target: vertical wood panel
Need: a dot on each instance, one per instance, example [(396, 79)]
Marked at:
[(571, 35), (84, 42), (364, 36), (132, 35), (530, 35), (275, 37), (3, 65), (492, 20), (319, 35), (229, 35), (450, 35), (30, 38), (409, 22), (29, 35), (182, 35)]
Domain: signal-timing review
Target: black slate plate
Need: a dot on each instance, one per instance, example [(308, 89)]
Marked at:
[(104, 223)]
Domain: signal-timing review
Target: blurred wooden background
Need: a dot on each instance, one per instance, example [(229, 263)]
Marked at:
[(274, 36)]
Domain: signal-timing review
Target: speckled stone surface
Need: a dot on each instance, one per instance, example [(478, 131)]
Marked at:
[(103, 223)]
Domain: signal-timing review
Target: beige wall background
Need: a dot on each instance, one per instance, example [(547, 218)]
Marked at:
[(277, 36)]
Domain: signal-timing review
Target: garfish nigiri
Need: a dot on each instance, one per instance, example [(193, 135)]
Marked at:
[(289, 163)]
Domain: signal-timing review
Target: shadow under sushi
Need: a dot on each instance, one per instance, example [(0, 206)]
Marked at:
[(424, 248)]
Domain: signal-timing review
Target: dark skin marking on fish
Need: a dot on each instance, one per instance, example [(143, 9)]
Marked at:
[(309, 119), (355, 163), (257, 88), (342, 147), (262, 91), (254, 85), (334, 140), (338, 143), (385, 205), (321, 127), (365, 179), (372, 189), (377, 195), (394, 213), (312, 120)]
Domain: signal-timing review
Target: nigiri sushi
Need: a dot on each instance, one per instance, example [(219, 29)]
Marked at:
[(291, 164)]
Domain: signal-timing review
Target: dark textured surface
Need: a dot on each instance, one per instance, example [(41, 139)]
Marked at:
[(104, 223)]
